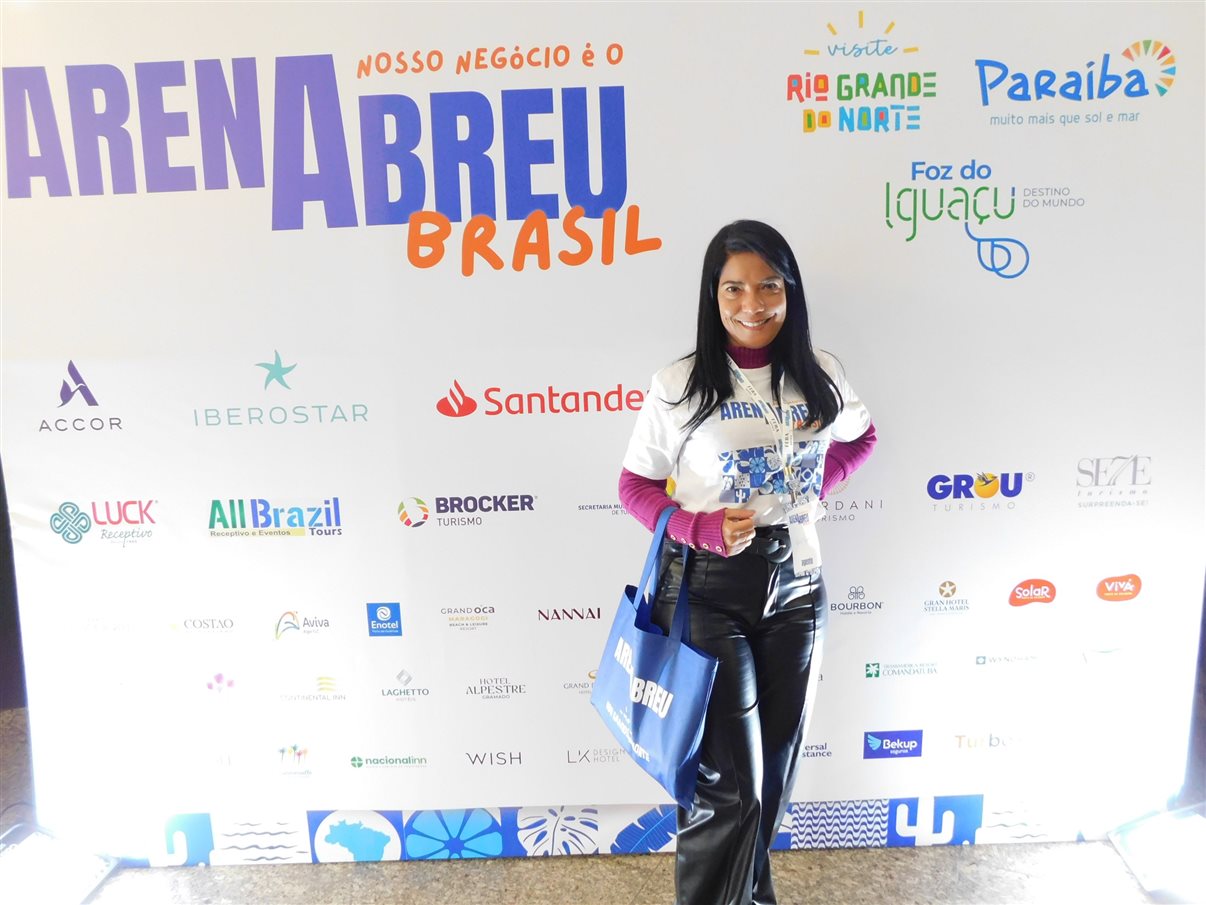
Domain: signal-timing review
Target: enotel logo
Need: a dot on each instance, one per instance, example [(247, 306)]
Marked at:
[(1032, 590), (1121, 587), (457, 403)]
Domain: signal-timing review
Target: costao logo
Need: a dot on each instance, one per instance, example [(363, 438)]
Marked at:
[(1032, 590), (1120, 587)]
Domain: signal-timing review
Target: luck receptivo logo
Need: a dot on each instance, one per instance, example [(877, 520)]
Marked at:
[(892, 743), (121, 522), (74, 390), (853, 82), (1119, 587), (984, 491), (549, 401), (1032, 590), (280, 409), (468, 511), (259, 517), (384, 620)]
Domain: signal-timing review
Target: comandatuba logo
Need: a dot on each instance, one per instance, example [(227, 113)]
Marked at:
[(260, 517), (76, 395), (870, 85), (472, 510), (984, 491), (457, 403), (280, 409)]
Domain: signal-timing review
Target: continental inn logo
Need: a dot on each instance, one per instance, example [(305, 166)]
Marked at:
[(280, 410)]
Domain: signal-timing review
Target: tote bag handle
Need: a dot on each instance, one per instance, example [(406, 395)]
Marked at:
[(680, 626)]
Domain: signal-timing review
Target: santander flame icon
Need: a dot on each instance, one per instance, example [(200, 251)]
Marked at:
[(457, 404)]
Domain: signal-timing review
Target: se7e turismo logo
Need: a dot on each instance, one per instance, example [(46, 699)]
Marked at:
[(384, 619), (900, 743)]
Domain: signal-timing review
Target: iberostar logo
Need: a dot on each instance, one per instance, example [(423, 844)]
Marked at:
[(276, 371), (68, 391), (869, 99), (70, 523), (267, 415)]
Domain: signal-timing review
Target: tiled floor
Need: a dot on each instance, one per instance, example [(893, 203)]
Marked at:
[(1051, 874)]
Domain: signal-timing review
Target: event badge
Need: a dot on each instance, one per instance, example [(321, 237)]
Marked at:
[(802, 516)]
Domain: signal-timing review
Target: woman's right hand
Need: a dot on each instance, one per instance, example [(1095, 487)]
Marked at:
[(737, 530)]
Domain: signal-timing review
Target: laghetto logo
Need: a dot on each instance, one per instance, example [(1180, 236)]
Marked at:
[(1120, 587), (258, 517), (1032, 590), (984, 486), (549, 401), (869, 99)]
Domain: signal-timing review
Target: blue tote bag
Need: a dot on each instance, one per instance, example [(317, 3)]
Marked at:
[(651, 689)]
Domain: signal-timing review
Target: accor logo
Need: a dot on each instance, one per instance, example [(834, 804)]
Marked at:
[(1032, 590), (1121, 587)]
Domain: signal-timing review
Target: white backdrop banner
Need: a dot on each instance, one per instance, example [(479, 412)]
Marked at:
[(324, 330)]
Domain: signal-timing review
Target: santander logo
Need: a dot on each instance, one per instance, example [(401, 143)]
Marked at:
[(1121, 587), (457, 404), (1032, 590)]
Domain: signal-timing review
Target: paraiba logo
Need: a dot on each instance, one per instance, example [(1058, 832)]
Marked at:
[(292, 622), (413, 512), (548, 401), (384, 619), (258, 517), (861, 86), (1032, 590), (277, 375), (464, 511), (993, 491), (70, 523), (1150, 65), (893, 743), (1120, 587), (75, 387)]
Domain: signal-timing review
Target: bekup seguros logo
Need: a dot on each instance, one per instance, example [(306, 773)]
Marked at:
[(899, 743), (1032, 590), (1120, 587), (549, 401)]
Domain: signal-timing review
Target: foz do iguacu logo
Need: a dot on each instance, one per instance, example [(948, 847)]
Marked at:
[(229, 518), (457, 403), (984, 486), (196, 118), (276, 380), (1152, 64), (867, 99), (934, 194)]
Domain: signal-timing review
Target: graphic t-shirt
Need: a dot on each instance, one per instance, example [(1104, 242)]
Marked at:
[(735, 459)]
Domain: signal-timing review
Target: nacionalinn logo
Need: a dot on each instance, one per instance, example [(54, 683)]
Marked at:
[(72, 388), (1032, 590), (258, 517), (463, 511), (864, 97), (993, 491), (549, 401), (277, 375)]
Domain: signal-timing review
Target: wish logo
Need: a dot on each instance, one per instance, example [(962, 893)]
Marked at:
[(495, 758), (463, 511), (404, 688), (995, 492), (384, 619), (895, 743), (548, 401), (72, 388), (70, 523), (258, 517), (1113, 482), (953, 192), (856, 81), (277, 375), (291, 622)]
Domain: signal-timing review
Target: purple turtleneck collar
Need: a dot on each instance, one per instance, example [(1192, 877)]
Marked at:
[(749, 358)]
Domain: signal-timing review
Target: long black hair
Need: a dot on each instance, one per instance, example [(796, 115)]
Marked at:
[(791, 352)]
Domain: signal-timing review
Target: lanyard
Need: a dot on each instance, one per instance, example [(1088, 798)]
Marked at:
[(783, 428)]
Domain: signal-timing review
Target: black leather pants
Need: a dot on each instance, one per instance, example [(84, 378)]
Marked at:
[(765, 626)]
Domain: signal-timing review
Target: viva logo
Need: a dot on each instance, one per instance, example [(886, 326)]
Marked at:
[(1121, 587), (1032, 590)]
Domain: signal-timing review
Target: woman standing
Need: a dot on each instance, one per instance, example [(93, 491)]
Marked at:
[(754, 428)]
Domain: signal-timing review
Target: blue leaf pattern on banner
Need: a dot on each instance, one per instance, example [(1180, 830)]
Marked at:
[(559, 831), (651, 832)]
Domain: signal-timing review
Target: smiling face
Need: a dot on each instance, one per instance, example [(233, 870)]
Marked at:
[(753, 300)]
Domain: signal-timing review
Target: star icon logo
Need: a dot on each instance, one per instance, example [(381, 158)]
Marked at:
[(947, 589), (276, 371)]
